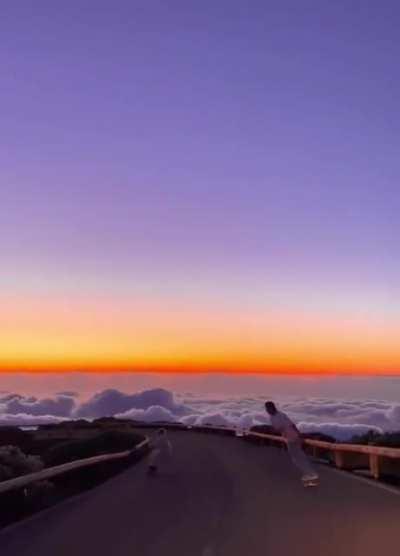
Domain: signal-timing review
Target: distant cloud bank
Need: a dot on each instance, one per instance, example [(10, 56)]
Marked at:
[(341, 419)]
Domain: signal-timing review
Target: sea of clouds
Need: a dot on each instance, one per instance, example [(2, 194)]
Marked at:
[(339, 418)]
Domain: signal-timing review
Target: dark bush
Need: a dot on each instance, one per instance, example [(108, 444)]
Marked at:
[(389, 439), (73, 424), (319, 436), (110, 421), (105, 443), (14, 462), (13, 436)]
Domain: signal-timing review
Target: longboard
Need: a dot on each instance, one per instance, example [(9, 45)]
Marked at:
[(312, 483)]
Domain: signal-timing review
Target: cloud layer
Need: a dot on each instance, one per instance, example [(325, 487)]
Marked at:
[(113, 402), (339, 418)]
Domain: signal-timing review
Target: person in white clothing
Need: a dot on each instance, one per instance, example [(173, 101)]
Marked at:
[(161, 450), (281, 422)]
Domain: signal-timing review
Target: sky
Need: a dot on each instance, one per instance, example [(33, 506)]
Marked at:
[(200, 186)]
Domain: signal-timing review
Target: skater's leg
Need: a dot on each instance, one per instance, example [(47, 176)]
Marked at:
[(153, 460), (299, 458)]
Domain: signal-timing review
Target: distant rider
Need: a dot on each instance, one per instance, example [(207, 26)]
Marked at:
[(161, 450), (281, 422)]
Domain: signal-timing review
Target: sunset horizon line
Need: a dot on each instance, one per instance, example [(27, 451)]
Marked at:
[(195, 371)]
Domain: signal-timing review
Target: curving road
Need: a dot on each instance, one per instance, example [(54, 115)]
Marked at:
[(220, 497)]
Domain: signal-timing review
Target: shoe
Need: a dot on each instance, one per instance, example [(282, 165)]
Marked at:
[(310, 477)]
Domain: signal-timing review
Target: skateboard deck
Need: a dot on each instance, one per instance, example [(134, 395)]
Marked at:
[(312, 483)]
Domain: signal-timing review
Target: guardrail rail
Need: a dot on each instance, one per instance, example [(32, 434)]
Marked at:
[(377, 459), (350, 457), (30, 478)]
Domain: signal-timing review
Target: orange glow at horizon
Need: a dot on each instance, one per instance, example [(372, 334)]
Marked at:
[(104, 334)]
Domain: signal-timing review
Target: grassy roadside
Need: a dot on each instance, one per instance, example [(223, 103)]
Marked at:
[(18, 504)]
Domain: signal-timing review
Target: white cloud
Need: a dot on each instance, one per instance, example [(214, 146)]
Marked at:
[(189, 419), (216, 419), (152, 413), (339, 418), (113, 402), (393, 414), (240, 418), (59, 406), (381, 414), (337, 430), (25, 420)]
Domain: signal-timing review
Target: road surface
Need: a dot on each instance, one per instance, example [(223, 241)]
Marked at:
[(220, 496)]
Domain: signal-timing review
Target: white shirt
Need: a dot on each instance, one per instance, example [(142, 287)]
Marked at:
[(160, 442), (281, 422)]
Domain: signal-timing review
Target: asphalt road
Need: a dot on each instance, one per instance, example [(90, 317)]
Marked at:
[(220, 496)]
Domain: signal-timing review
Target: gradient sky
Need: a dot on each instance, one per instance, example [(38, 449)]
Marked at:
[(200, 186)]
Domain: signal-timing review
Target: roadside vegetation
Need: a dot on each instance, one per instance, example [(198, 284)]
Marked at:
[(23, 452), (388, 439)]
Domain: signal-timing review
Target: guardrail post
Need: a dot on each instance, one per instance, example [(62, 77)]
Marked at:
[(339, 460), (352, 457), (374, 465)]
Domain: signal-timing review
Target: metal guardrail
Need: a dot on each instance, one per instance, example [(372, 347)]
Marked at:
[(377, 459), (30, 478), (345, 456), (49, 473)]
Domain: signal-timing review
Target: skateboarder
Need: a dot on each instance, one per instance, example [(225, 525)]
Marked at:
[(161, 450), (281, 422)]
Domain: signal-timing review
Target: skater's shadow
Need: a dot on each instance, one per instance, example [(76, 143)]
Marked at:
[(163, 476)]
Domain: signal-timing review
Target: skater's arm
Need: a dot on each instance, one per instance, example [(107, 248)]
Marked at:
[(293, 427), (154, 441), (296, 429)]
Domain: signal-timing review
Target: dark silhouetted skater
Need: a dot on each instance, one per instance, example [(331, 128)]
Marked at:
[(281, 422), (161, 451)]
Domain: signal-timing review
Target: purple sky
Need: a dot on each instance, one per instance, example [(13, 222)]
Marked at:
[(202, 146), (86, 384)]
